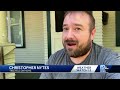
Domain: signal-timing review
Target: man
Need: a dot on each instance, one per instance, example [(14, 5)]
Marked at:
[(79, 49)]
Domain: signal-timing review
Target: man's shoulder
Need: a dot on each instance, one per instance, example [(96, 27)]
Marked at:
[(57, 57), (108, 55), (102, 50), (100, 47), (59, 52)]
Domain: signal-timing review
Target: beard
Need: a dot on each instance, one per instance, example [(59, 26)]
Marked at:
[(81, 50)]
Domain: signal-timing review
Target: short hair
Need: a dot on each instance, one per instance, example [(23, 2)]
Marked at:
[(92, 19)]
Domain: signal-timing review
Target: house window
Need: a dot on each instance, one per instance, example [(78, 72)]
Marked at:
[(16, 33)]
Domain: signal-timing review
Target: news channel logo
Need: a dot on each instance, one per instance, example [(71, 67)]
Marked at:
[(103, 68)]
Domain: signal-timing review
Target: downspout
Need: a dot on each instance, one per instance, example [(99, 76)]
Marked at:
[(49, 33)]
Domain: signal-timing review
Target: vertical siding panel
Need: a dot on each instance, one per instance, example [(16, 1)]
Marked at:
[(99, 34), (45, 36)]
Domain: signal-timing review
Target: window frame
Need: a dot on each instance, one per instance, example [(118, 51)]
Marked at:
[(22, 45)]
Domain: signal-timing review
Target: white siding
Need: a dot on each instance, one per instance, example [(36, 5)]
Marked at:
[(109, 34), (99, 33), (45, 36), (34, 34)]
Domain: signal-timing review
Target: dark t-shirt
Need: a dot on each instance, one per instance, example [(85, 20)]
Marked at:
[(98, 56)]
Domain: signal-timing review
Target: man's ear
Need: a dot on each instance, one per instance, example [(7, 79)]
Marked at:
[(93, 34)]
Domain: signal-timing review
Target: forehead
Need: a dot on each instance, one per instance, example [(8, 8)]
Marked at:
[(76, 18)]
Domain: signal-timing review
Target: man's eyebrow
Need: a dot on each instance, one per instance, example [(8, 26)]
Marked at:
[(74, 24), (78, 25), (64, 25)]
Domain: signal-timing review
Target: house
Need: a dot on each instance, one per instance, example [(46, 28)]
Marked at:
[(41, 39)]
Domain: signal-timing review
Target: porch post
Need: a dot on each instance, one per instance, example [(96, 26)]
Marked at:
[(3, 28)]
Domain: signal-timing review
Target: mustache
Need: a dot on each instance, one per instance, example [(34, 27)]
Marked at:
[(71, 41)]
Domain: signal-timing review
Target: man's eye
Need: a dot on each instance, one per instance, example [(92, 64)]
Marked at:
[(65, 29), (77, 28)]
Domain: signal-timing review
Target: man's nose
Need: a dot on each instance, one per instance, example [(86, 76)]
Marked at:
[(70, 34)]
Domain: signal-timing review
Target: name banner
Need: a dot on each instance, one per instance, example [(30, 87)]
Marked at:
[(61, 68)]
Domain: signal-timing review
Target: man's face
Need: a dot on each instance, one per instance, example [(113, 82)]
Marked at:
[(76, 36)]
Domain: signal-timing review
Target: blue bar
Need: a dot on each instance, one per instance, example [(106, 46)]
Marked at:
[(55, 68), (36, 68)]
